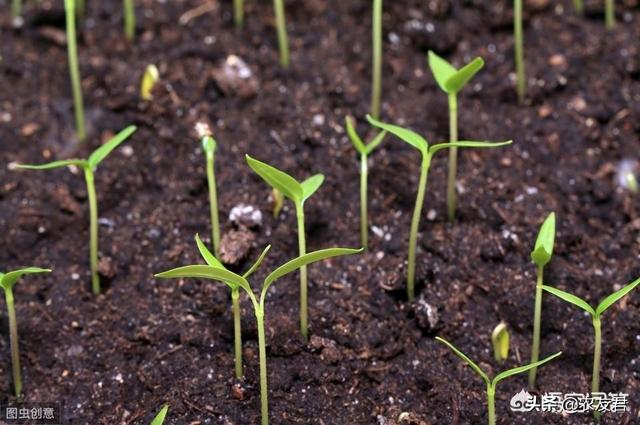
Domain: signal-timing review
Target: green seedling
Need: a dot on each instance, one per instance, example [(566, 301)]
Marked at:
[(376, 75), (283, 41), (89, 166), (238, 13), (364, 150), (232, 280), (492, 383), (298, 193), (451, 81), (521, 78), (579, 6), (16, 9), (129, 12), (150, 78), (541, 255), (278, 202), (421, 144), (160, 417), (596, 315), (8, 281), (74, 67), (609, 13), (209, 146), (500, 341)]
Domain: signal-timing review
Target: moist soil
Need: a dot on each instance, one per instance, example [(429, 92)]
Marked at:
[(372, 358)]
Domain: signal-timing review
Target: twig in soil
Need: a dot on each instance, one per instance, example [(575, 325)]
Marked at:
[(451, 81), (89, 166), (596, 314), (521, 78), (209, 146), (159, 419), (492, 383), (541, 255), (364, 150), (74, 67), (7, 282), (421, 144), (129, 13), (216, 271)]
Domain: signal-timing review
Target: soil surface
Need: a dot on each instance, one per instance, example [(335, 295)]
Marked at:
[(372, 358)]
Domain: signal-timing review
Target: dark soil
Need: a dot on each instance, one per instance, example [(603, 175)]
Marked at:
[(116, 358)]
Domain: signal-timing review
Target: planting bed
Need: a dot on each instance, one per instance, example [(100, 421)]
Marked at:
[(116, 358)]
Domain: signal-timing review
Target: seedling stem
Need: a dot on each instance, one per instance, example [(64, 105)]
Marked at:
[(93, 229), (13, 339), (238, 13), (129, 20), (74, 68), (609, 14), (16, 8), (213, 202), (579, 6), (519, 46), (302, 250), (453, 156), (283, 42), (376, 86), (537, 318), (415, 224)]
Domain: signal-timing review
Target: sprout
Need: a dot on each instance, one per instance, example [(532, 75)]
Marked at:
[(298, 193), (596, 314), (541, 255), (88, 166), (219, 273), (609, 13), (149, 80), (278, 202), (579, 6), (238, 13), (492, 383), (451, 81), (500, 341), (283, 42), (209, 146), (7, 282), (74, 68), (162, 414), (364, 151), (129, 19), (16, 10), (376, 77), (427, 152), (521, 82)]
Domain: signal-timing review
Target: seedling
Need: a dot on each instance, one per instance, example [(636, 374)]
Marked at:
[(451, 81), (541, 255), (7, 282), (16, 10), (298, 193), (89, 166), (278, 202), (579, 6), (238, 13), (609, 13), (149, 80), (162, 414), (376, 83), (218, 273), (365, 151), (596, 314), (500, 341), (492, 383), (209, 147), (283, 41), (421, 144), (74, 68), (129, 12), (521, 78)]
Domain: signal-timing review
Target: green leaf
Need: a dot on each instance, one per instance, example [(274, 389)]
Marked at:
[(376, 142), (311, 185), (460, 79), (255, 265), (521, 369), (101, 153), (543, 249), (354, 137), (277, 179), (207, 255), (8, 280), (55, 164), (441, 69), (159, 419), (467, 144), (209, 145), (466, 359), (613, 298), (230, 279), (412, 138), (570, 298)]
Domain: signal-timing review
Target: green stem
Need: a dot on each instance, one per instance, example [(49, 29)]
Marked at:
[(453, 157), (129, 19), (579, 6), (302, 245), (519, 46), (376, 86), (415, 224), (16, 8), (262, 348), (80, 8), (93, 230), (13, 338), (213, 203), (238, 13), (237, 330), (74, 68), (537, 316), (364, 228), (283, 43), (491, 403), (609, 13), (597, 351)]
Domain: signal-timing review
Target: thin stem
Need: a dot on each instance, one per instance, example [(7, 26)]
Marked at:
[(491, 403), (80, 8), (93, 230), (213, 203), (364, 228), (264, 390), (13, 338), (609, 13), (453, 157), (283, 42), (302, 247), (74, 68), (376, 85), (579, 6), (519, 46), (238, 13), (597, 350), (537, 315), (129, 19), (16, 8), (415, 224), (237, 330)]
